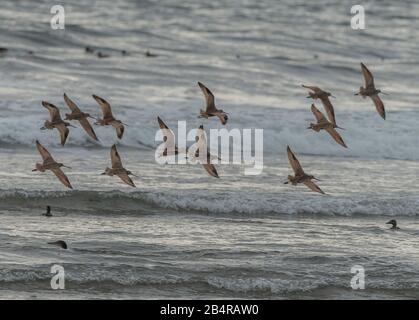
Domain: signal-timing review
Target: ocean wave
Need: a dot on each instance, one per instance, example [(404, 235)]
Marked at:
[(137, 202), (366, 135), (78, 276)]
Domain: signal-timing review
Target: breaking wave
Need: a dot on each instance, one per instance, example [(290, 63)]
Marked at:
[(138, 202)]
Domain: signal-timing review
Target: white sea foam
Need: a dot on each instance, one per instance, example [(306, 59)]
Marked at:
[(366, 135)]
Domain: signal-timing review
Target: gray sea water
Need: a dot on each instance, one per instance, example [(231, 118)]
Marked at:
[(181, 233)]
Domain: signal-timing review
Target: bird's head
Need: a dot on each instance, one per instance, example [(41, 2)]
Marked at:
[(39, 167), (313, 178), (47, 124), (107, 171), (392, 222), (100, 122)]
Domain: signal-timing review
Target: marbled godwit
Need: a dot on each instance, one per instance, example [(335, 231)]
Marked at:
[(169, 140), (77, 114), (211, 109), (108, 118), (56, 122), (371, 91), (300, 176), (118, 169), (317, 93), (205, 157), (50, 164), (323, 123)]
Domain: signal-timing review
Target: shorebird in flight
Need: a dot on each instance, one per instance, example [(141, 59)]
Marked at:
[(171, 148), (108, 118), (323, 123), (317, 93), (77, 114), (371, 91), (56, 122), (50, 164), (118, 169), (211, 110), (200, 153), (300, 176)]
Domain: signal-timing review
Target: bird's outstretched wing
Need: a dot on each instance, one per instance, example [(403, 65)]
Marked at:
[(317, 113), (368, 78), (115, 158), (70, 103), (313, 186), (62, 177), (210, 168), (209, 98), (295, 164), (336, 136), (379, 105), (200, 144), (64, 131), (46, 156), (54, 112), (104, 106), (329, 109), (88, 128), (119, 127), (124, 177), (168, 138)]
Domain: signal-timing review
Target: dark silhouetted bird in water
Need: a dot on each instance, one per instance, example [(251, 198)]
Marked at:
[(48, 213), (59, 243), (393, 224)]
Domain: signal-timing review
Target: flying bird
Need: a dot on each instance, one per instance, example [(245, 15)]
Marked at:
[(50, 164), (317, 93), (56, 122), (117, 168), (204, 157), (171, 148), (211, 110), (371, 91), (323, 123), (108, 118), (77, 114), (300, 176)]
